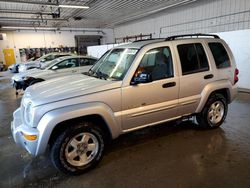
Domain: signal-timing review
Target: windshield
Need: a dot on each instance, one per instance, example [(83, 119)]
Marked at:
[(48, 57), (49, 64), (114, 64)]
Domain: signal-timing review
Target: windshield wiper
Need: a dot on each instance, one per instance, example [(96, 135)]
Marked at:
[(101, 75), (97, 74)]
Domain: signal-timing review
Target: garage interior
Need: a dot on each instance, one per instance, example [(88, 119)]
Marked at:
[(169, 155)]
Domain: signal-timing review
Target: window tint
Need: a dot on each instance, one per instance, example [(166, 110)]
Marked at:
[(69, 63), (86, 62), (158, 63), (220, 55), (193, 58)]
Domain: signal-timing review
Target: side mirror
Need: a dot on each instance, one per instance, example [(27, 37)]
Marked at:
[(141, 78), (43, 60), (54, 67)]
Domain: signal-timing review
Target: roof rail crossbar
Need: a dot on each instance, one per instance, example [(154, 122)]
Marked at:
[(141, 40), (191, 36)]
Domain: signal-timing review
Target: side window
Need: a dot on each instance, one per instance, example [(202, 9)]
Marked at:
[(158, 63), (220, 55), (49, 57), (68, 63), (193, 58), (86, 62)]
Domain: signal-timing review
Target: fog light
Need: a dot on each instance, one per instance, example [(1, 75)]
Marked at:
[(29, 137)]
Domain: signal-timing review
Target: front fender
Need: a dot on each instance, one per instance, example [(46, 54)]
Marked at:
[(52, 118)]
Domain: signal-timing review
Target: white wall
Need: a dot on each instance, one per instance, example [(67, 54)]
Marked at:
[(98, 51), (239, 42), (203, 16), (39, 39)]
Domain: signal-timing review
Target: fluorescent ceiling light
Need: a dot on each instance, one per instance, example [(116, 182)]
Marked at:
[(33, 28), (74, 6)]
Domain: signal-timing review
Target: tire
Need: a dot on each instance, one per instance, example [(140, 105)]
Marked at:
[(214, 113), (71, 153)]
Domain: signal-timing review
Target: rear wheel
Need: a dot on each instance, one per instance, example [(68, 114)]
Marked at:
[(78, 149), (214, 113)]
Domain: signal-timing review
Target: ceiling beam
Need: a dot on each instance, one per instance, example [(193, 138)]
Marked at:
[(31, 3), (23, 12), (30, 19)]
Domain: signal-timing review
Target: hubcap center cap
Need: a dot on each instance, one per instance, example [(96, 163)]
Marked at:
[(82, 148)]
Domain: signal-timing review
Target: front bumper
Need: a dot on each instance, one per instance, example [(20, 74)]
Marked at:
[(19, 129), (20, 84)]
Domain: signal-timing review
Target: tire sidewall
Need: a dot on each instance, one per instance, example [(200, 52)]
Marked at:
[(202, 117), (58, 150)]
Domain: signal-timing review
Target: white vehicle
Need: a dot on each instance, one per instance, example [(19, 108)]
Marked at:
[(40, 61), (59, 67)]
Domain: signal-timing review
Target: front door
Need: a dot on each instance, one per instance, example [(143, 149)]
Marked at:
[(156, 101), (67, 67)]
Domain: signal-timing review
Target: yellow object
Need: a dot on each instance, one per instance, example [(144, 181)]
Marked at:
[(9, 56), (29, 137)]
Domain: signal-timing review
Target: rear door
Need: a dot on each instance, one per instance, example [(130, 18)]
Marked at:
[(195, 74)]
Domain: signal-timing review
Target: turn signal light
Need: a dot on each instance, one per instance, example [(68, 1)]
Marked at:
[(29, 137)]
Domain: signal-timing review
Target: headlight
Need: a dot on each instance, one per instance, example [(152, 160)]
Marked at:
[(25, 77), (29, 113)]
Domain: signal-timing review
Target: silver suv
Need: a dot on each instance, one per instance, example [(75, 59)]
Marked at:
[(130, 87)]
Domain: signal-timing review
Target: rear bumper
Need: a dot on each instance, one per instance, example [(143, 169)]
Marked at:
[(234, 93), (19, 129)]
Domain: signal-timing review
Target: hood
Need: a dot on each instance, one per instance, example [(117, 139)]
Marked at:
[(29, 73), (32, 64), (67, 87), (38, 73)]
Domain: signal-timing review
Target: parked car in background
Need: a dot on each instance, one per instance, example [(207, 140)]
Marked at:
[(131, 87), (42, 60), (14, 68), (58, 67)]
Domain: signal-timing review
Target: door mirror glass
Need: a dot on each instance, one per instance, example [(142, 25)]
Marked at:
[(142, 77), (54, 67)]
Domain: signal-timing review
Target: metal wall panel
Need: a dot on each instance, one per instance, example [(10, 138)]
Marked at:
[(203, 16)]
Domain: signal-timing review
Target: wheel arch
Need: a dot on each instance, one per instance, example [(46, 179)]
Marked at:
[(221, 87), (95, 118), (57, 120)]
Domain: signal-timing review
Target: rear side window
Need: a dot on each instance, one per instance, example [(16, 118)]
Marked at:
[(193, 58), (86, 61), (220, 55)]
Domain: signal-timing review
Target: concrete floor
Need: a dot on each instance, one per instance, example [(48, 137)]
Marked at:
[(163, 156)]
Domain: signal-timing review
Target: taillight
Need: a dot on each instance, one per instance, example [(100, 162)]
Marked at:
[(236, 78)]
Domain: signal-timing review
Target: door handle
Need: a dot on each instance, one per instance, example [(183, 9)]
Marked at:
[(209, 76), (170, 84)]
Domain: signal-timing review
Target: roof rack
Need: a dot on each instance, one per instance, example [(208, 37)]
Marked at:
[(148, 39), (191, 36)]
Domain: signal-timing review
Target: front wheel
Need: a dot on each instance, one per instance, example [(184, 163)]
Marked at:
[(78, 149), (214, 113)]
